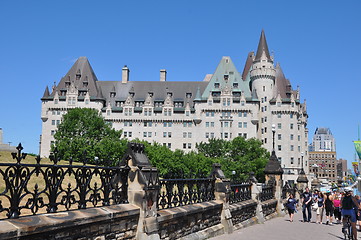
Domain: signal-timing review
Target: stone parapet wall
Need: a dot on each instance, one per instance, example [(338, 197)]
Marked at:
[(179, 222), (243, 211), (111, 222)]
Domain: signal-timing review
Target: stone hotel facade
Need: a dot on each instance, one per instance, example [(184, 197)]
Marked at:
[(226, 104)]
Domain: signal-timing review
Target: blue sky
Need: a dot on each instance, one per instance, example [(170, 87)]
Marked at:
[(318, 44)]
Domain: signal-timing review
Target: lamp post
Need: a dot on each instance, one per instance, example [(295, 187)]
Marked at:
[(273, 134), (302, 161)]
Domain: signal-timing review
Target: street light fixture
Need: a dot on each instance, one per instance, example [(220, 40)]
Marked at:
[(273, 133)]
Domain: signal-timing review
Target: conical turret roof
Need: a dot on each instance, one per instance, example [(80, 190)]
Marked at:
[(262, 47)]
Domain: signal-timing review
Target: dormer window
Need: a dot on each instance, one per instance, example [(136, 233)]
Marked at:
[(85, 84), (112, 94), (188, 95), (216, 85), (226, 77), (235, 85), (67, 84)]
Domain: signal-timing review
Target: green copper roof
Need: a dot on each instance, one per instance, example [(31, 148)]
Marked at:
[(224, 70)]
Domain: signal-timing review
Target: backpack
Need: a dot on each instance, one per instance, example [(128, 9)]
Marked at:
[(347, 203)]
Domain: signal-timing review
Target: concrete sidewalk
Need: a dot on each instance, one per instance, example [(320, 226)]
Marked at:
[(281, 228)]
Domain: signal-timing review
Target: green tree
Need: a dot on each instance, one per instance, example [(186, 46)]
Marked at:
[(239, 155), (83, 132)]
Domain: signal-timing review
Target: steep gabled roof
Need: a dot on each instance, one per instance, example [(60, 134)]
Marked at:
[(83, 76), (262, 47), (248, 65), (226, 67), (283, 85)]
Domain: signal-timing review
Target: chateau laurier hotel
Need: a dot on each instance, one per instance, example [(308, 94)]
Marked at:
[(226, 104)]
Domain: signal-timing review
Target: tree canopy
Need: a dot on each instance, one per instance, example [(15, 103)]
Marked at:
[(239, 155), (84, 132)]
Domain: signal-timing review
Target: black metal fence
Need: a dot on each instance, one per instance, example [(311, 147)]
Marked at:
[(39, 188), (180, 192), (240, 192), (267, 192)]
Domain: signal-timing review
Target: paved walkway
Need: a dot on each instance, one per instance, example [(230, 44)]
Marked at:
[(281, 228)]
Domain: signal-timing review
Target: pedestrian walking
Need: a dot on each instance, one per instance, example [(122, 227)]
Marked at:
[(306, 205), (329, 207), (291, 206), (336, 204), (320, 204)]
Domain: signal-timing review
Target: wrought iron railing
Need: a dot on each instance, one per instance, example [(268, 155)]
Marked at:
[(40, 188), (267, 193), (180, 192), (240, 192), (287, 190)]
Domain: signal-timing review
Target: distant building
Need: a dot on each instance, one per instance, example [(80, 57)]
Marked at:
[(226, 104), (341, 168), (322, 156), (3, 146)]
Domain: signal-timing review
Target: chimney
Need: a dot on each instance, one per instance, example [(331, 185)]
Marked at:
[(163, 75), (125, 74)]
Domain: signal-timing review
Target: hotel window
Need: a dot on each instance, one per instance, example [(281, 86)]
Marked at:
[(207, 124), (184, 145), (244, 124), (169, 134), (207, 135), (184, 134), (279, 137), (291, 126), (189, 134), (291, 147), (242, 103), (292, 160), (169, 145), (245, 135), (149, 134), (130, 134), (52, 132), (189, 145), (212, 124), (164, 134), (212, 135), (279, 147), (245, 114), (57, 122), (291, 137), (279, 115), (240, 124), (207, 114), (291, 115), (212, 114), (52, 122), (225, 135), (144, 134), (279, 125)]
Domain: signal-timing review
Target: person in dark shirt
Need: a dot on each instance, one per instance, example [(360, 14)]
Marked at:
[(306, 198), (291, 206), (349, 206)]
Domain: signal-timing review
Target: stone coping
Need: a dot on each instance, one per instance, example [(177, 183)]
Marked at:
[(243, 204), (270, 201), (28, 225), (183, 211)]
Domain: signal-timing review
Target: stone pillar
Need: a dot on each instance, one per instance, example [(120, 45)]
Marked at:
[(302, 181), (274, 172), (222, 192), (255, 191), (143, 187)]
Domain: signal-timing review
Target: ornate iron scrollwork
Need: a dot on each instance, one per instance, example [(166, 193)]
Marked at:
[(89, 186)]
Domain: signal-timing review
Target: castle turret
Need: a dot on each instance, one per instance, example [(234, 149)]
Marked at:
[(263, 72)]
